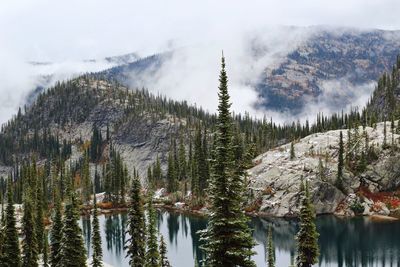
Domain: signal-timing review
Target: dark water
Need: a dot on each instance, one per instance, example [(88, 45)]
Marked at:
[(343, 242)]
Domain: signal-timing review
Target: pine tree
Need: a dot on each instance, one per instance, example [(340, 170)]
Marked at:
[(307, 237), (29, 243), (339, 178), (2, 228), (56, 233), (227, 239), (86, 178), (152, 254), (39, 217), (182, 160), (271, 252), (171, 174), (292, 154), (45, 249), (136, 245), (163, 253), (72, 248), (384, 145), (11, 250), (96, 238), (157, 170)]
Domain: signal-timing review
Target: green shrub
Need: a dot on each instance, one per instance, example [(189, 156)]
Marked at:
[(357, 207)]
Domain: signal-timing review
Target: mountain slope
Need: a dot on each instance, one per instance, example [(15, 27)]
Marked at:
[(328, 67), (275, 180)]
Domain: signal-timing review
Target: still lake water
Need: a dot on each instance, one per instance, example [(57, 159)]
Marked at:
[(343, 242)]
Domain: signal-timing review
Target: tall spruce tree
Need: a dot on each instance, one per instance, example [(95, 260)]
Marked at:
[(339, 178), (29, 242), (56, 233), (72, 249), (45, 249), (163, 253), (171, 174), (11, 250), (2, 227), (307, 237), (227, 239), (292, 153), (39, 217), (97, 254), (152, 254), (136, 245)]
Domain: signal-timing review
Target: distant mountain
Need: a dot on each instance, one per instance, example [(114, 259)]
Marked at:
[(331, 67), (350, 58)]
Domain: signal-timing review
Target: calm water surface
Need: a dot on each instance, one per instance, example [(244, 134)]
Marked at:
[(343, 242)]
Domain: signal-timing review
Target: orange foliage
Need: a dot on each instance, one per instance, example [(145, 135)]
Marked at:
[(105, 205), (389, 198)]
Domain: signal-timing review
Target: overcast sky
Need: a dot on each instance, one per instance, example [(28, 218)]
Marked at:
[(69, 31)]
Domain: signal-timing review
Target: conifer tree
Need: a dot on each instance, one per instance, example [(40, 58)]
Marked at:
[(163, 253), (152, 254), (56, 233), (45, 249), (339, 178), (307, 237), (29, 243), (227, 239), (86, 178), (97, 254), (39, 218), (72, 249), (171, 174), (384, 145), (11, 250), (271, 252), (136, 245), (2, 225), (157, 170), (182, 160), (292, 154)]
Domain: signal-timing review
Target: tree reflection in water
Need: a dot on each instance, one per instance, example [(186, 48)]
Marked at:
[(343, 242)]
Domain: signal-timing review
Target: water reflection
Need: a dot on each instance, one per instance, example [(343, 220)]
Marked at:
[(343, 242)]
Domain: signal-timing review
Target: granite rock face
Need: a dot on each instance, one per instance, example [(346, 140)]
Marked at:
[(276, 179)]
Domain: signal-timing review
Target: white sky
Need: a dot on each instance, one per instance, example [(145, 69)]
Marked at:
[(69, 31)]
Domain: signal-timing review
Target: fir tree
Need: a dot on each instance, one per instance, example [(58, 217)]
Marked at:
[(163, 253), (97, 254), (152, 254), (2, 228), (384, 145), (182, 160), (136, 245), (157, 170), (339, 178), (307, 237), (72, 248), (271, 252), (11, 250), (39, 218), (29, 242), (45, 249), (292, 154), (56, 233), (227, 239), (86, 178), (171, 174)]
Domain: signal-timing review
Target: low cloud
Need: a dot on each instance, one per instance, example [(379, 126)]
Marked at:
[(58, 31)]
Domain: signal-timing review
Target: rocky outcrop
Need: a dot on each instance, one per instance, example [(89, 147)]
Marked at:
[(275, 180)]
